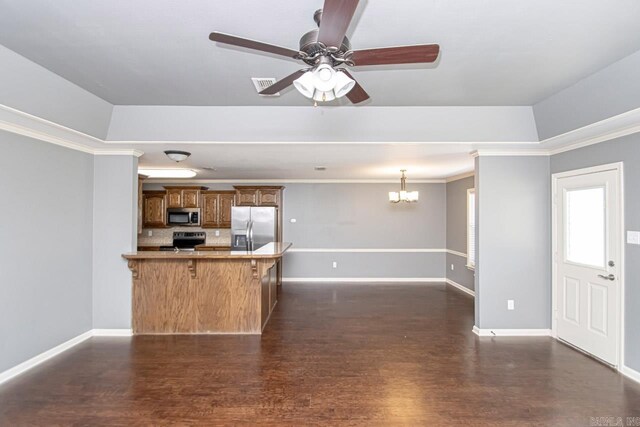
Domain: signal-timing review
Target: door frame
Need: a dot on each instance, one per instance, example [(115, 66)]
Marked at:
[(618, 168)]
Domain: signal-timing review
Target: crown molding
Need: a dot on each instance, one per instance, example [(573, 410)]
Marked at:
[(623, 124), (460, 176), (25, 124), (508, 153), (22, 123), (122, 152), (289, 181)]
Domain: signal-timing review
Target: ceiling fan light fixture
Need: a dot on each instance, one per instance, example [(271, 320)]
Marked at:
[(344, 84), (324, 77), (324, 96), (305, 84), (177, 155)]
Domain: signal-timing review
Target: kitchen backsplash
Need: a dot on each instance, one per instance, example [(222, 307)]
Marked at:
[(164, 236)]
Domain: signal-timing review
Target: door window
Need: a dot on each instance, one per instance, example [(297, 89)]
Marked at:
[(585, 226)]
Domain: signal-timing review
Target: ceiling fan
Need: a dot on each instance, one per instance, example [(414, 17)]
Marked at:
[(327, 51)]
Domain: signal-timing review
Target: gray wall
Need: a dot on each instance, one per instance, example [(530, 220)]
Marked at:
[(356, 216), (627, 150), (114, 233), (457, 232), (28, 87), (609, 92), (45, 246), (513, 242), (359, 216)]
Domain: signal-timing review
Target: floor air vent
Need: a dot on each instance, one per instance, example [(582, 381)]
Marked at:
[(261, 83)]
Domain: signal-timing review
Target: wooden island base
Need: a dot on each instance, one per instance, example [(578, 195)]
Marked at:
[(203, 292)]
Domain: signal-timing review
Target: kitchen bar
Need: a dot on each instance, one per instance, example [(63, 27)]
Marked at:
[(204, 292)]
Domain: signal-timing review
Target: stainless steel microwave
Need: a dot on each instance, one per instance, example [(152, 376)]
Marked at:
[(183, 216)]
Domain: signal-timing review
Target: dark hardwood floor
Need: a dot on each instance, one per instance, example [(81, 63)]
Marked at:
[(331, 355)]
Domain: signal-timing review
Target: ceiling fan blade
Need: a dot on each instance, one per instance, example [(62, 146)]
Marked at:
[(252, 44), (336, 17), (397, 55), (357, 94), (282, 83)]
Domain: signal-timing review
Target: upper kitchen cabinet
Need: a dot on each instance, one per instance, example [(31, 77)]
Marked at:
[(183, 197), (154, 208), (227, 201), (246, 196), (141, 178), (258, 196), (216, 208)]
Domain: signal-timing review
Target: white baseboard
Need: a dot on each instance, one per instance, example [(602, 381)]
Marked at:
[(462, 288), (630, 373), (511, 332), (438, 280), (112, 332), (43, 357)]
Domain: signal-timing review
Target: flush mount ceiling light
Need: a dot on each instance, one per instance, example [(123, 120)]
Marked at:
[(403, 195), (177, 156), (168, 173)]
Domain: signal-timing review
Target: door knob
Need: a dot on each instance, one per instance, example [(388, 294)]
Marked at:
[(609, 277)]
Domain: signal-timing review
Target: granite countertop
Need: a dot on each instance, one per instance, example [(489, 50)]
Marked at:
[(270, 250)]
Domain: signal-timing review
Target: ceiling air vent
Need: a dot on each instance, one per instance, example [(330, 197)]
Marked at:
[(261, 83)]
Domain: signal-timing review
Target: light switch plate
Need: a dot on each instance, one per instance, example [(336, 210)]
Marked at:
[(335, 264), (511, 304), (633, 237), (451, 267), (217, 233), (149, 233)]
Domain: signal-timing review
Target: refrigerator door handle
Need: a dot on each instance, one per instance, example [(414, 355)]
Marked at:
[(247, 235), (251, 236)]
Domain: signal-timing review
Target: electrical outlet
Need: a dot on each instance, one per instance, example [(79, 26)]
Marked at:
[(451, 267), (293, 220), (149, 233), (511, 305), (217, 233), (335, 264), (633, 237)]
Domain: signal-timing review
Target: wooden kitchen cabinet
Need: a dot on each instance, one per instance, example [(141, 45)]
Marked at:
[(154, 209), (258, 195), (184, 196), (174, 198), (227, 201), (269, 196), (216, 208), (141, 178), (247, 196), (190, 198)]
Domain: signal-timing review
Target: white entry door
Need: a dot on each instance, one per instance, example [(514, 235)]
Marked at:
[(587, 262)]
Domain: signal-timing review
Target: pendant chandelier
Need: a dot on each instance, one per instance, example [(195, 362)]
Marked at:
[(403, 195)]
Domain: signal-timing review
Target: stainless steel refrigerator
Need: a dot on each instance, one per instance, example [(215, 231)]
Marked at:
[(252, 227)]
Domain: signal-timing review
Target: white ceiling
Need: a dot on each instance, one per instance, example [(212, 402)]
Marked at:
[(157, 52), (297, 161)]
